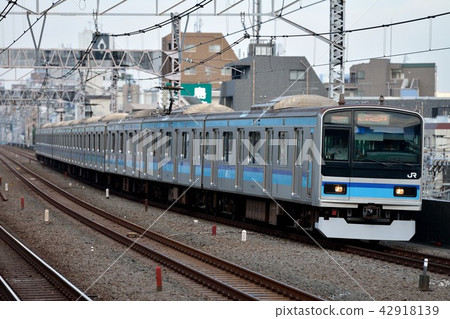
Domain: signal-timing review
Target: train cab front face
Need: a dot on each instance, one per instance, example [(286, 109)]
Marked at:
[(371, 172)]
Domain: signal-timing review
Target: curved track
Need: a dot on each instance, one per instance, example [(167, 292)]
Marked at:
[(27, 277), (230, 280)]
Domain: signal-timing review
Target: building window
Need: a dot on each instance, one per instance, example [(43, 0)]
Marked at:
[(189, 71), (263, 50), (225, 71), (295, 75), (190, 47), (214, 48), (361, 74), (397, 74)]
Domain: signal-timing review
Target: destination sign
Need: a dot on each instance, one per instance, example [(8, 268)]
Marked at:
[(372, 118)]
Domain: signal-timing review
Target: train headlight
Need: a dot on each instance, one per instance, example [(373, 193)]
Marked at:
[(405, 191), (338, 189)]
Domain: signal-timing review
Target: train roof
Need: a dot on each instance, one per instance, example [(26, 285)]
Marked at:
[(79, 121), (114, 117), (145, 113), (93, 119), (295, 101), (204, 108)]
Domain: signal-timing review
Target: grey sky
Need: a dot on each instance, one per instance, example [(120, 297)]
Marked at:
[(410, 38)]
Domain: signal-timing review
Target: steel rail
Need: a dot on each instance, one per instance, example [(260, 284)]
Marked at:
[(60, 282), (289, 292)]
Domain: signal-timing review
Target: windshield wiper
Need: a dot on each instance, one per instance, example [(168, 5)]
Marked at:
[(398, 162), (375, 161)]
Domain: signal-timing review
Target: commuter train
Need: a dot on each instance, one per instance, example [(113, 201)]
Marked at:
[(346, 171)]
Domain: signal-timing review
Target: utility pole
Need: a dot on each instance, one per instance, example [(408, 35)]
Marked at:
[(337, 81)]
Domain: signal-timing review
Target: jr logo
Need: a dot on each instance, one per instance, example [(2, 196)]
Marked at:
[(412, 175)]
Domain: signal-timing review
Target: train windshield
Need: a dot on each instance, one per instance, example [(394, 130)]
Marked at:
[(377, 136)]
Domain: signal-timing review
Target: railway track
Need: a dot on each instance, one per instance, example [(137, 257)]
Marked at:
[(27, 277), (403, 257), (398, 256), (230, 280)]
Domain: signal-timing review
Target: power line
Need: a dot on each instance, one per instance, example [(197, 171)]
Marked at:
[(7, 9), (32, 25), (166, 22), (359, 29)]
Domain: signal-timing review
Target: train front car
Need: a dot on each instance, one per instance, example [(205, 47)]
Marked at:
[(370, 173)]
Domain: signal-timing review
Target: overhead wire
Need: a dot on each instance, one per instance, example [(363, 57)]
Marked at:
[(7, 9), (203, 3), (166, 22), (32, 25), (360, 29)]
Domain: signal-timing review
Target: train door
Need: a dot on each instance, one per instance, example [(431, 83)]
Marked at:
[(310, 165), (165, 170), (160, 153), (239, 159), (184, 159), (253, 165), (297, 163), (306, 167), (336, 153), (112, 164), (131, 153), (148, 154), (208, 158), (175, 157), (214, 157), (192, 178), (122, 152), (268, 168), (102, 144), (226, 170), (282, 163)]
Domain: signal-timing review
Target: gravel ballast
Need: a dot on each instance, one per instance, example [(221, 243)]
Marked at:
[(108, 271)]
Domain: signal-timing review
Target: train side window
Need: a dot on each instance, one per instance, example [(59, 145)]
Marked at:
[(184, 145), (113, 143), (269, 150), (168, 148), (227, 145), (150, 136), (207, 147), (240, 134), (200, 145), (121, 143), (130, 146), (282, 148), (254, 138), (99, 142), (298, 146)]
